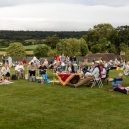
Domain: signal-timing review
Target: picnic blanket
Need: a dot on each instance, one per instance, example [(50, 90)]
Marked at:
[(5, 82)]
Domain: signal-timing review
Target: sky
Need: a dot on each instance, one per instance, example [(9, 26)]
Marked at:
[(62, 15)]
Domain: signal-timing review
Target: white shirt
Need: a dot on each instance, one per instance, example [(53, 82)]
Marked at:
[(19, 67)]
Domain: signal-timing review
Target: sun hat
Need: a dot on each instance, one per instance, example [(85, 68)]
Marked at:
[(97, 62)]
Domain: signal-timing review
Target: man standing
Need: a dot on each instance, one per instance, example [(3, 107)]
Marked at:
[(10, 61), (3, 59)]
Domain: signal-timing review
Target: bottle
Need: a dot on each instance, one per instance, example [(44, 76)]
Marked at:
[(2, 78)]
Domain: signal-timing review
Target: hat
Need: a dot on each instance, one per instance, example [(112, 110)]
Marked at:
[(97, 62)]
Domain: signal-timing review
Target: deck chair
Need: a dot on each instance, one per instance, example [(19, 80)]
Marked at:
[(75, 67), (97, 81)]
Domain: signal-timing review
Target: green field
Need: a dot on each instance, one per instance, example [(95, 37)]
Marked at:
[(27, 52), (26, 47), (31, 105), (31, 47)]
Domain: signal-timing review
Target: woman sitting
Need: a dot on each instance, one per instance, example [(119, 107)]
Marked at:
[(20, 70), (71, 68), (5, 71), (42, 71), (32, 69)]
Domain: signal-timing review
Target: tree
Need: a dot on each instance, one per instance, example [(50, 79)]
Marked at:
[(52, 41), (41, 51), (72, 46), (96, 48), (16, 50), (101, 34), (83, 47), (123, 47), (122, 36), (113, 49)]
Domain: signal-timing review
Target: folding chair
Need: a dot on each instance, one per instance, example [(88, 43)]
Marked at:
[(97, 81)]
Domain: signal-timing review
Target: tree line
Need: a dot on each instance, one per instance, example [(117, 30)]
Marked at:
[(101, 38)]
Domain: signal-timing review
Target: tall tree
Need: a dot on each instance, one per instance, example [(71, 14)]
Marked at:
[(16, 50), (123, 36), (52, 41), (41, 51), (72, 46), (100, 34)]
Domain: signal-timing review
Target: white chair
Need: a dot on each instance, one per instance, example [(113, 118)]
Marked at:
[(97, 81)]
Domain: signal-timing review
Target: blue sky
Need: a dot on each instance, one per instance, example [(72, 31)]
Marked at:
[(62, 15)]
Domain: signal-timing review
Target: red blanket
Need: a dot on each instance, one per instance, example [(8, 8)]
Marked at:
[(64, 78)]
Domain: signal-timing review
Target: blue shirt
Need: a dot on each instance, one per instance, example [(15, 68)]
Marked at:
[(117, 81)]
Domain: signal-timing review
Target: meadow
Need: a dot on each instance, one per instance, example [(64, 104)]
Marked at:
[(31, 105), (28, 49)]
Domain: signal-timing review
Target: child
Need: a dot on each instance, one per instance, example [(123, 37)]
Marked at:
[(117, 84)]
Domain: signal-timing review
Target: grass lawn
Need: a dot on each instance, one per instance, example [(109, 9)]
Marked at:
[(31, 105)]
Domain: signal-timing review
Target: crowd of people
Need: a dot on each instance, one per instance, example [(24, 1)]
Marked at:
[(88, 70)]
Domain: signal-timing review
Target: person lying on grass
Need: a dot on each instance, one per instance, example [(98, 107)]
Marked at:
[(117, 84)]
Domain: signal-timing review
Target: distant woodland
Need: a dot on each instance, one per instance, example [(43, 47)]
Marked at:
[(39, 35)]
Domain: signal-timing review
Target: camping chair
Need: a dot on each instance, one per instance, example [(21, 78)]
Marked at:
[(126, 72), (97, 81), (75, 67)]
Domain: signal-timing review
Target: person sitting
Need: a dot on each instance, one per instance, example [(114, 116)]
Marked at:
[(87, 79), (5, 71), (57, 67), (45, 62), (126, 69), (20, 70), (117, 84), (42, 71), (24, 62), (88, 71), (51, 65), (32, 69), (70, 68)]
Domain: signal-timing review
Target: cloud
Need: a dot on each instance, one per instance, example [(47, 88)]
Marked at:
[(4, 3), (60, 17)]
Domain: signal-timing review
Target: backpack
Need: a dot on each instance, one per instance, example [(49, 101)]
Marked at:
[(14, 77)]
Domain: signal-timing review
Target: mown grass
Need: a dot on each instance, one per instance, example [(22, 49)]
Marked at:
[(31, 105)]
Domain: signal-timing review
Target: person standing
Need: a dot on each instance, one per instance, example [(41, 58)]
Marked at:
[(3, 59), (10, 61)]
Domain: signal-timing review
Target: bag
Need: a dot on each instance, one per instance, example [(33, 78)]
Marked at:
[(14, 77), (117, 68), (26, 76), (47, 81), (39, 81), (32, 79)]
